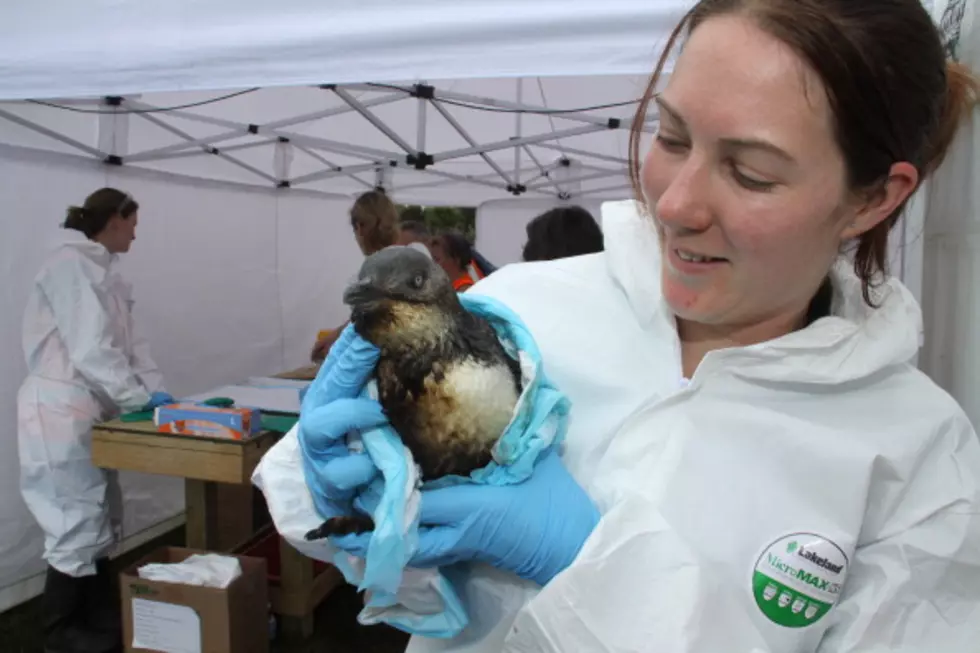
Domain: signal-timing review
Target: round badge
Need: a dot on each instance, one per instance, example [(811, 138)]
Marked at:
[(798, 579)]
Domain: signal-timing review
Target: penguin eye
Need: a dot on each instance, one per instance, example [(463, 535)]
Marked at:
[(418, 281)]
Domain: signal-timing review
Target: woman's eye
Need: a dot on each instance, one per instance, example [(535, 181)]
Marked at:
[(751, 183), (671, 144)]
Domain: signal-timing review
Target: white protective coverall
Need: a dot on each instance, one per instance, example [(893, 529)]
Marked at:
[(85, 364), (735, 505)]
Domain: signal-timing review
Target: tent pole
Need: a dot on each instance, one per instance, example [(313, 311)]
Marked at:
[(347, 149), (505, 104), (517, 136), (336, 111), (205, 144), (545, 173), (177, 132), (469, 139), (50, 133), (589, 177), (374, 120), (330, 164), (512, 142), (420, 127), (338, 172), (594, 155)]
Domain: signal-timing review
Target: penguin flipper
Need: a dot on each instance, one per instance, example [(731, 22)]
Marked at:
[(345, 525)]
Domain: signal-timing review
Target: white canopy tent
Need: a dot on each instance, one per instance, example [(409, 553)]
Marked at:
[(244, 242)]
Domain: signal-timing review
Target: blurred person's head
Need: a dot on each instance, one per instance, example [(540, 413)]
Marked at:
[(562, 232), (374, 219)]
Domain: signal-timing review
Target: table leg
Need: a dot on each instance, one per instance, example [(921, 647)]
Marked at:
[(296, 585), (201, 501)]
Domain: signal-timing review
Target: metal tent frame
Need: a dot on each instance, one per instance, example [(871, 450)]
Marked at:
[(542, 165)]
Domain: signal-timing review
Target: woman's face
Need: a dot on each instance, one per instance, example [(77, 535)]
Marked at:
[(746, 180), (438, 252), (119, 233)]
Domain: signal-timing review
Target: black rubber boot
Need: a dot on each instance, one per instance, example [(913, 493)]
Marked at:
[(102, 612), (63, 606)]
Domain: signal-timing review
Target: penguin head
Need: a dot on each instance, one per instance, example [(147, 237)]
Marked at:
[(400, 274)]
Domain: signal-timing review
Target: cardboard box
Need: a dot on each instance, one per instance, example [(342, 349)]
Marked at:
[(194, 619), (208, 421)]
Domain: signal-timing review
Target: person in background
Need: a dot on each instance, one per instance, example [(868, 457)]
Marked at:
[(454, 253), (413, 231), (416, 235), (86, 364), (561, 232), (374, 219)]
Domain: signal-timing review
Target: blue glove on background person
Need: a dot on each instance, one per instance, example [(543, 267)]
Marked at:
[(534, 529), (158, 399), (331, 409)]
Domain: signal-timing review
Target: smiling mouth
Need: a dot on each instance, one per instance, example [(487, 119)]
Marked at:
[(688, 257)]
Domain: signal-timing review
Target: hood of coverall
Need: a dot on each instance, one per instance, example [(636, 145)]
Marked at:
[(75, 240), (854, 342)]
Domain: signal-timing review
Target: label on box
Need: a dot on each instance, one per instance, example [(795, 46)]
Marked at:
[(165, 627)]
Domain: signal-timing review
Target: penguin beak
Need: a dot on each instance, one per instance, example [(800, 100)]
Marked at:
[(362, 292)]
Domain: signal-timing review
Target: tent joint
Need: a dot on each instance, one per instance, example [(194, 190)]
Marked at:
[(113, 160), (423, 91), (420, 161)]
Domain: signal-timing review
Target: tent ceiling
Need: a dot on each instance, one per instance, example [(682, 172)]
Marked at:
[(483, 59), (487, 138), (66, 48)]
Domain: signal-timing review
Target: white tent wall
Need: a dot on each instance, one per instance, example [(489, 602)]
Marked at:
[(951, 275), (500, 225), (229, 282)]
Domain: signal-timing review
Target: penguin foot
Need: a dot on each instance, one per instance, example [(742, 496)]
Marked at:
[(346, 525)]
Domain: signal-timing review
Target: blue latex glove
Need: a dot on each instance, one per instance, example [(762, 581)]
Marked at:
[(330, 410), (158, 399), (534, 529)]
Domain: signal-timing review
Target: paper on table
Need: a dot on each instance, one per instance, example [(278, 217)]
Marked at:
[(165, 627), (279, 400), (273, 382)]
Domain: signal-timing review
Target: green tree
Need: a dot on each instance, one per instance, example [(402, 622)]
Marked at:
[(443, 218)]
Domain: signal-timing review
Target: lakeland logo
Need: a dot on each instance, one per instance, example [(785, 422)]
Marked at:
[(816, 559), (802, 575)]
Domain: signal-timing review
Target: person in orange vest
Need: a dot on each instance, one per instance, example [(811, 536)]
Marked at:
[(457, 257)]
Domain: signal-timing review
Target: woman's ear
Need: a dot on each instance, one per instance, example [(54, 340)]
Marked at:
[(877, 205)]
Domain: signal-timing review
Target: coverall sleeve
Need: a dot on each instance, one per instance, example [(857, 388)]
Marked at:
[(83, 321), (143, 363), (916, 585)]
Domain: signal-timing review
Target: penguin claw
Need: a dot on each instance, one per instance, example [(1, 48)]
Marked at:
[(347, 525)]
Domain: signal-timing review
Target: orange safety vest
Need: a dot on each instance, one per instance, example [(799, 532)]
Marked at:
[(462, 283)]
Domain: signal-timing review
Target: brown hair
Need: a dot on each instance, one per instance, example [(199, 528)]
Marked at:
[(893, 94), (99, 207), (378, 218)]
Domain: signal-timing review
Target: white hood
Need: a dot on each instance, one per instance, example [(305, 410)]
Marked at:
[(75, 240), (855, 342)]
